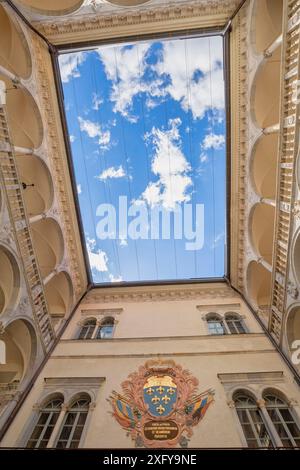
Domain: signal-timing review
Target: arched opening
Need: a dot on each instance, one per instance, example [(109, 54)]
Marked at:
[(293, 326), (14, 51), (25, 122), (259, 284), (52, 7), (266, 91), (9, 279), (20, 341), (74, 422), (59, 294), (48, 244), (264, 166), (262, 221), (106, 328), (33, 171), (267, 23)]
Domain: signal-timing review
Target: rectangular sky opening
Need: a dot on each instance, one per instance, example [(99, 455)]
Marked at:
[(147, 129)]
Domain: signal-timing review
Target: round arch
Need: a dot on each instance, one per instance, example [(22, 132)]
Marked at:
[(21, 348), (266, 23), (259, 284), (14, 50), (48, 243), (261, 223), (26, 127), (59, 295), (33, 171), (9, 279), (52, 7), (264, 165), (265, 92)]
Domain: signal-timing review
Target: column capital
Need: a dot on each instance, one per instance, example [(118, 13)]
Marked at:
[(261, 403)]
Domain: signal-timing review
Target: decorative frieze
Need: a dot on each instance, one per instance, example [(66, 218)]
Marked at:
[(150, 18), (161, 295)]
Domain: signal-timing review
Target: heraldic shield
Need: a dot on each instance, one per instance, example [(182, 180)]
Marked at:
[(160, 396), (160, 404)]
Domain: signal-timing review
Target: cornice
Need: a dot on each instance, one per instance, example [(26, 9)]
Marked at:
[(80, 28), (239, 145), (163, 294), (58, 163)]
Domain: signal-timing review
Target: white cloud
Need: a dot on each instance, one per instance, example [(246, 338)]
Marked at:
[(171, 167), (97, 101), (112, 172), (213, 141), (125, 67), (79, 189), (93, 130), (193, 67), (197, 82), (69, 65), (203, 158), (98, 258), (72, 138)]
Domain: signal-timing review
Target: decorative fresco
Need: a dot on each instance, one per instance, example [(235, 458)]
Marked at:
[(160, 404)]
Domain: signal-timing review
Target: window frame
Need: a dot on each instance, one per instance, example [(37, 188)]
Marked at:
[(253, 407), (73, 409), (43, 410), (277, 406), (90, 329)]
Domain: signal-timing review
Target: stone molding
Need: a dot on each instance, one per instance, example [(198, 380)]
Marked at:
[(148, 18)]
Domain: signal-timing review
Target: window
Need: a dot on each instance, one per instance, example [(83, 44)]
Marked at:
[(252, 422), (284, 423), (47, 419), (87, 330), (73, 425), (235, 324), (106, 329), (215, 325)]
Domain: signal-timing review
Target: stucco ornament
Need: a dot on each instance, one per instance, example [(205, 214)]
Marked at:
[(160, 405)]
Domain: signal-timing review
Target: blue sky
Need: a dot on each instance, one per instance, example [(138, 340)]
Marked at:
[(147, 122)]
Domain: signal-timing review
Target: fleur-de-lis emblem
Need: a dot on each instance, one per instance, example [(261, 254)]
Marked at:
[(160, 390), (171, 391), (150, 391), (165, 399), (160, 409), (155, 399)]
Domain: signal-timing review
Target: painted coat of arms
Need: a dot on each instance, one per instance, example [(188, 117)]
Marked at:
[(160, 404)]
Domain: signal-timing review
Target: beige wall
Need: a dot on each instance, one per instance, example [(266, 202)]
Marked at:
[(167, 330)]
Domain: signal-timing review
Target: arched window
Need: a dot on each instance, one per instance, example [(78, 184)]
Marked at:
[(46, 421), (235, 324), (73, 424), (252, 421), (106, 329), (215, 325), (87, 329), (283, 420)]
